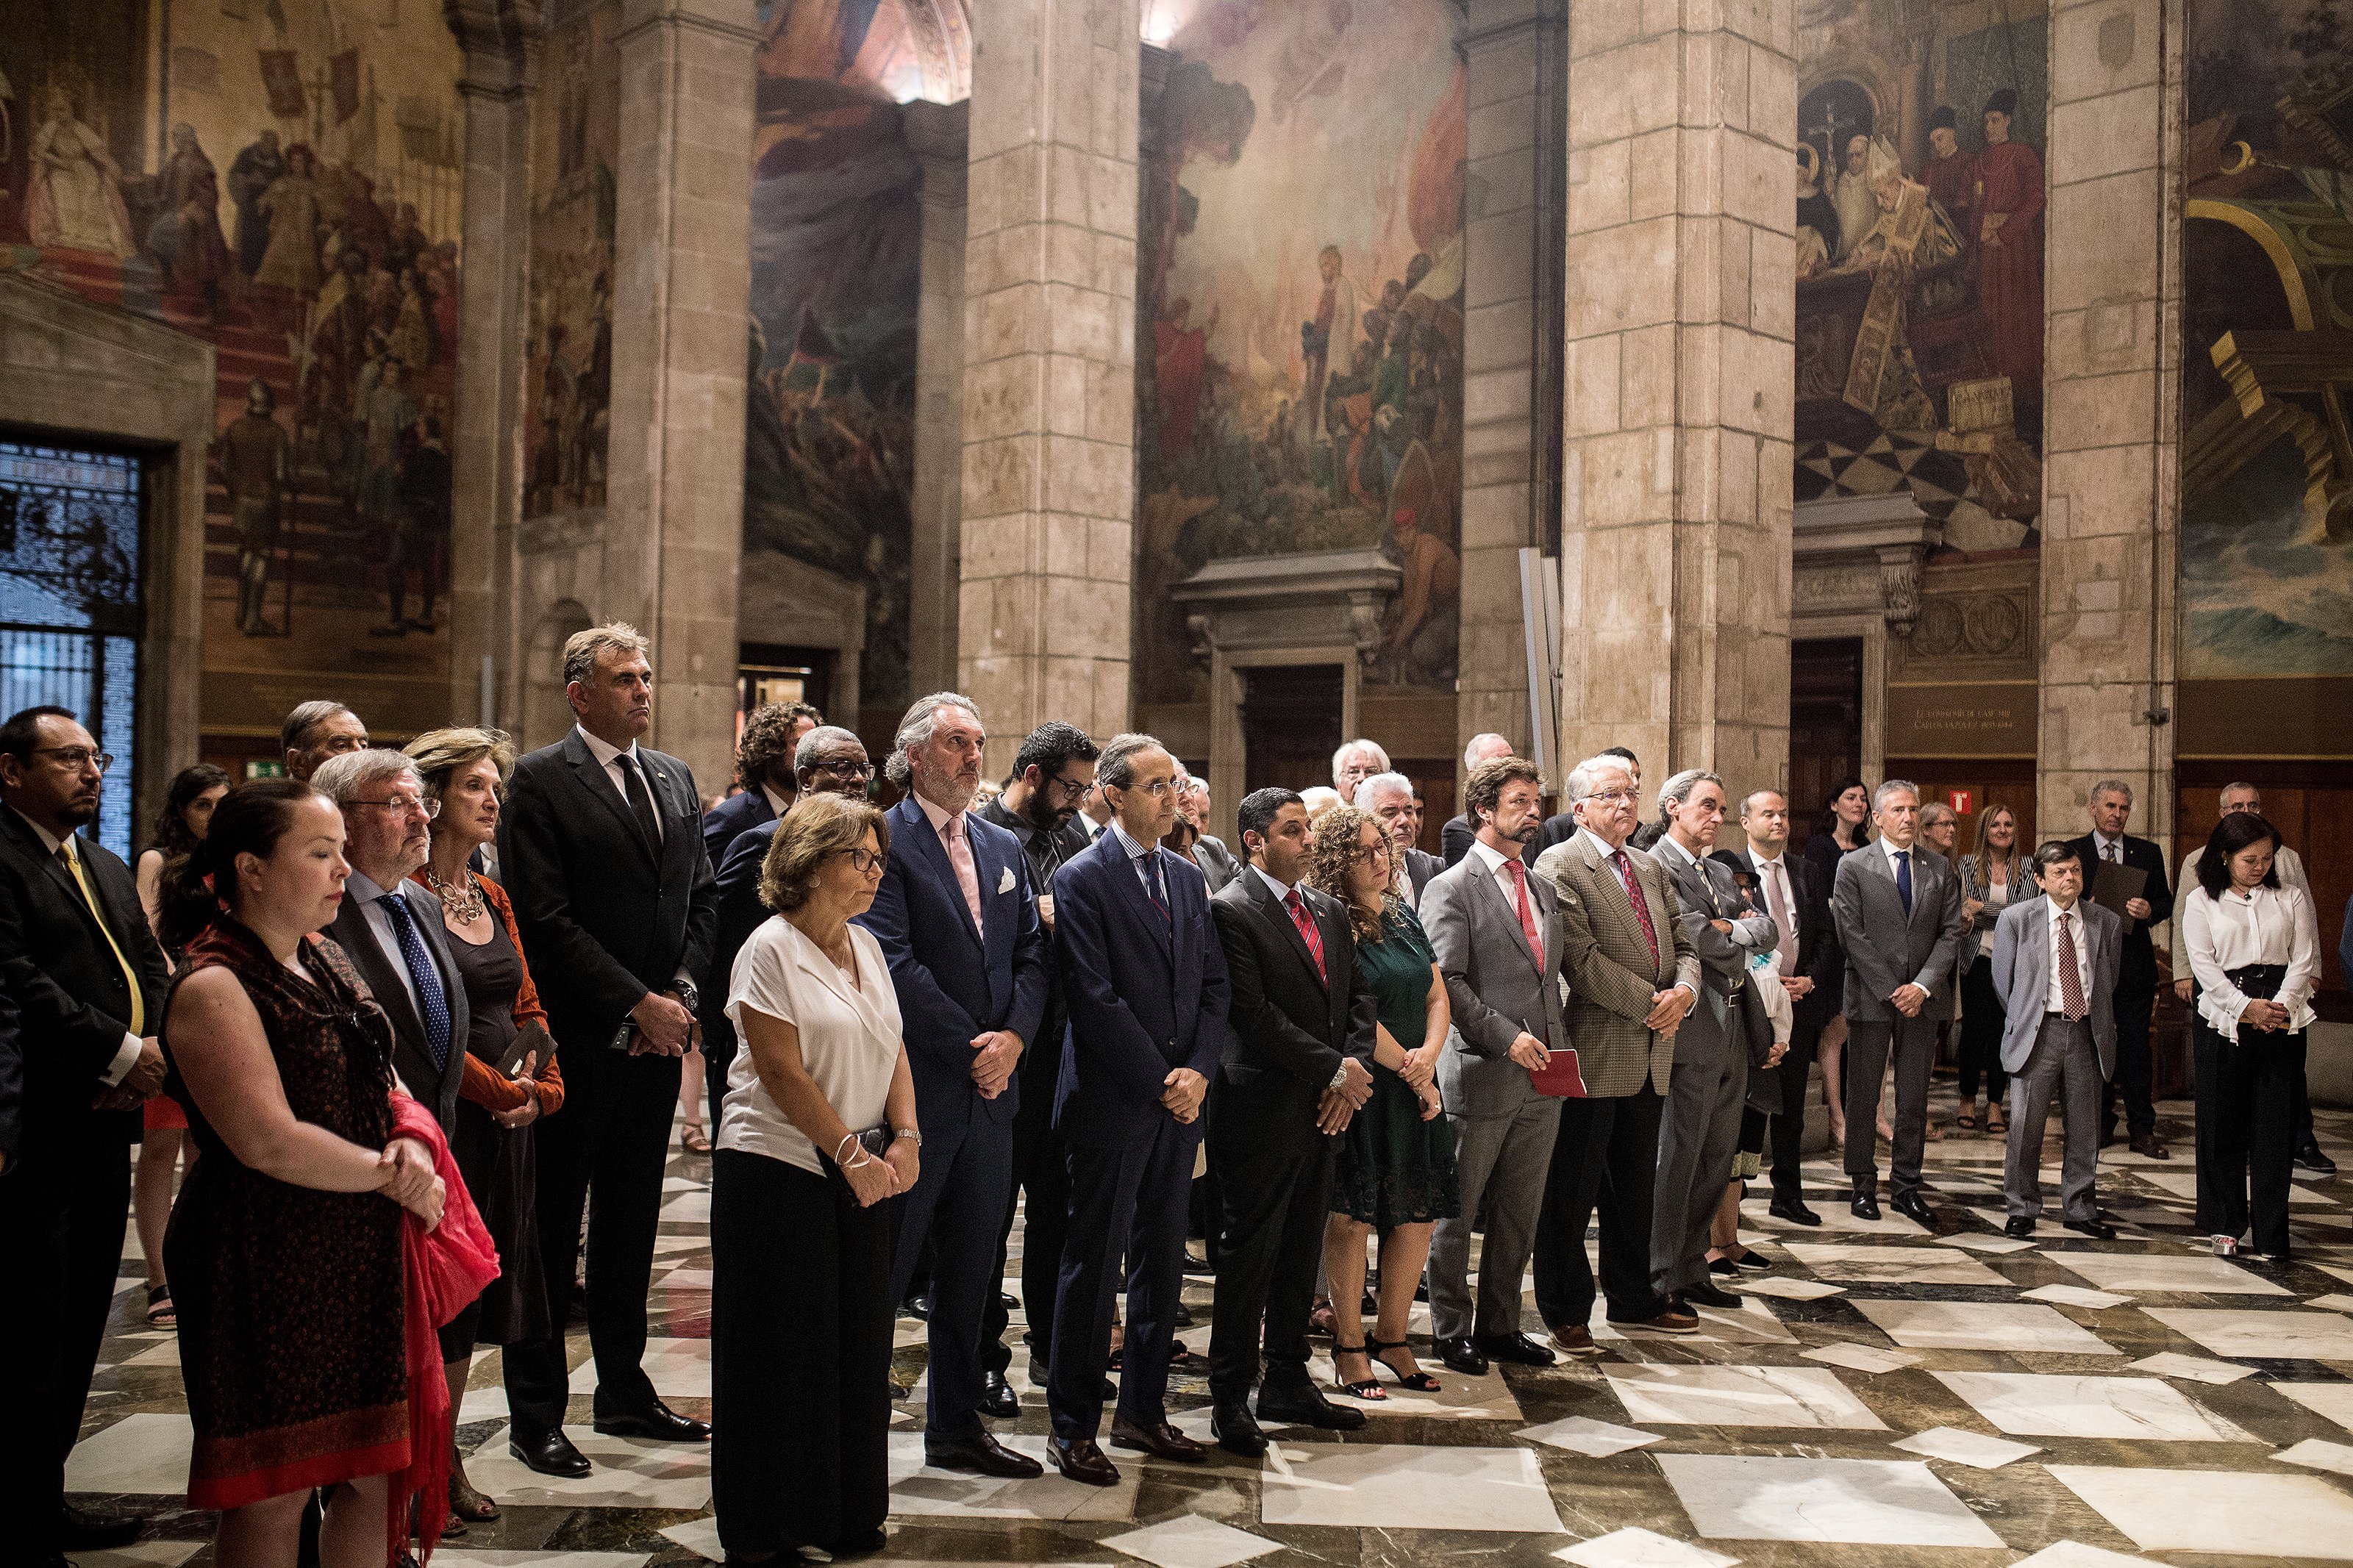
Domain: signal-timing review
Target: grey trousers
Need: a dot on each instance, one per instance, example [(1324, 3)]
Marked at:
[(1698, 1137), (1501, 1162), (1912, 1042), (2063, 1061)]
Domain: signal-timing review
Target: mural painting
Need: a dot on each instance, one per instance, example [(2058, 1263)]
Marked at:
[(1920, 258), (1298, 364), (568, 390), (283, 182)]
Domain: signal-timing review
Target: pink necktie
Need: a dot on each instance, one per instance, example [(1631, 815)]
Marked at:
[(960, 857)]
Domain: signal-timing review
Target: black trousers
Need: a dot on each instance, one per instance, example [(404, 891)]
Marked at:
[(1276, 1191), (1981, 1024), (2246, 1123), (610, 1141), (800, 1346), (2134, 1000), (1606, 1154), (1789, 1129), (1041, 1169), (62, 1211)]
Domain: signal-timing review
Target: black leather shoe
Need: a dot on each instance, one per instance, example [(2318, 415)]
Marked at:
[(1080, 1459), (1160, 1440), (1793, 1210), (1461, 1355), (1706, 1294), (2150, 1146), (917, 1306), (1912, 1207), (997, 1397), (1863, 1204), (1236, 1429), (1755, 1262), (2097, 1229), (980, 1454), (1724, 1266), (550, 1453), (1517, 1349), (1007, 1303), (2309, 1156), (82, 1530), (1305, 1405), (2020, 1226), (657, 1421)]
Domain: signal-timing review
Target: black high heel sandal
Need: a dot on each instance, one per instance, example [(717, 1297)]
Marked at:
[(1420, 1382), (1370, 1390)]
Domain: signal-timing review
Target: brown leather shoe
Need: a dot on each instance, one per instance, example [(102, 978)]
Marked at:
[(1574, 1339), (1079, 1460), (2149, 1146), (1668, 1322), (1160, 1440)]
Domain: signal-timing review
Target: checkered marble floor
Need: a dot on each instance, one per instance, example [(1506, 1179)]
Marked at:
[(1884, 1395)]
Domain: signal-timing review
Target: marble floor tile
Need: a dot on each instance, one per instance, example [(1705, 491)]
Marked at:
[(1751, 1322), (148, 1554), (2158, 1271), (2232, 1511), (479, 1557), (1790, 1289), (917, 1490), (1459, 1398), (629, 1473), (2318, 1454), (699, 1536), (1886, 1502), (1982, 1326), (1862, 1358), (1634, 1547), (679, 1367), (2074, 1295), (1836, 1217), (1583, 1435), (1402, 1487), (2041, 1404), (1892, 1265), (2332, 1400), (1189, 1542), (145, 1452), (2196, 1368), (684, 1279), (670, 1246), (1740, 1396), (1997, 1246), (2184, 1184), (2075, 1554), (2335, 1302), (2281, 1335), (166, 1354), (693, 1208), (1972, 1448)]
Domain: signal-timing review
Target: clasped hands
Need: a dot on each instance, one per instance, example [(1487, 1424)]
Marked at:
[(665, 1027), (994, 1056), (1339, 1105), (404, 1174), (1182, 1092), (2267, 1016), (1908, 999), (872, 1179), (1667, 1009), (142, 1083)]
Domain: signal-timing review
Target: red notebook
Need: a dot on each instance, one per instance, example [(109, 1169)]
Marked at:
[(1559, 1078)]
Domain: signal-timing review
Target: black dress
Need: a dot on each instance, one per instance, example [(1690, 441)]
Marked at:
[(497, 1161)]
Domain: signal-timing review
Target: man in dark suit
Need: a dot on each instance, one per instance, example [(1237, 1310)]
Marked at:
[(1455, 835), (2107, 843), (79, 963), (391, 927), (1305, 1021), (1209, 851), (766, 766), (316, 730), (1144, 980), (1389, 797), (1051, 773), (601, 852), (957, 920)]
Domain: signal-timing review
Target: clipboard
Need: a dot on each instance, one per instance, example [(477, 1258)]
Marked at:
[(2114, 885)]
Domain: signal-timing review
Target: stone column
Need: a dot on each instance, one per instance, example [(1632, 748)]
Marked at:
[(1512, 296), (1675, 544), (935, 132), (500, 39), (2110, 504), (1049, 367), (682, 265)]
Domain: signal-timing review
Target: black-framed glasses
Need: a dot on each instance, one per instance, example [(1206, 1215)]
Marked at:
[(843, 767), (865, 862), (426, 805), (75, 758), (1068, 789)]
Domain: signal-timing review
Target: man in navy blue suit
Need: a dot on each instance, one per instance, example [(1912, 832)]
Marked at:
[(1144, 980), (957, 920)]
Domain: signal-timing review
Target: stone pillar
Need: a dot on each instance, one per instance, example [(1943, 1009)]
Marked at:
[(935, 132), (1675, 544), (682, 265), (2110, 504), (1049, 367), (500, 39), (1512, 296)]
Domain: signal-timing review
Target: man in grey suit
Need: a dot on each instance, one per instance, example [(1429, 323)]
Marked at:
[(1897, 908), (1497, 937), (1209, 852), (1701, 1132), (2055, 967), (1390, 799)]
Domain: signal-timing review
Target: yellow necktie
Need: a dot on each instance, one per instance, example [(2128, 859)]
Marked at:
[(138, 991)]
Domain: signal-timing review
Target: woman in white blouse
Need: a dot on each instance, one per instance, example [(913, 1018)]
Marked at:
[(2254, 950), (818, 1128)]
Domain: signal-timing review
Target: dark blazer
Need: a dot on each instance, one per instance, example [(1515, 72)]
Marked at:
[(1424, 869), (731, 818), (1289, 1027), (412, 1058), (1818, 953), (2138, 967), (68, 988), (1144, 995), (954, 983), (740, 913), (1454, 840), (604, 917), (12, 1080)]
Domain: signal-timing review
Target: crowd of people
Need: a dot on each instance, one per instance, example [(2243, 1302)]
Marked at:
[(411, 1016)]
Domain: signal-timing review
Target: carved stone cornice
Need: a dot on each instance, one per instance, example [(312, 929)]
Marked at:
[(500, 40), (1858, 552), (1327, 599)]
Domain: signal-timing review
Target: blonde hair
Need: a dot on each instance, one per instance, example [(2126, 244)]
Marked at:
[(819, 826), (439, 754)]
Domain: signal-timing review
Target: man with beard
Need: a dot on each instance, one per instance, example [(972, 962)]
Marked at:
[(1051, 773), (957, 920)]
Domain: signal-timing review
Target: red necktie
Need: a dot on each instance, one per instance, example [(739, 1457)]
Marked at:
[(1527, 911), (1306, 924), (1641, 905)]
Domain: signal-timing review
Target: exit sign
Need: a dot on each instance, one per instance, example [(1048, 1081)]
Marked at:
[(1959, 800)]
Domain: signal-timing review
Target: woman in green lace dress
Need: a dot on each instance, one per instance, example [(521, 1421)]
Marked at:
[(1395, 1168)]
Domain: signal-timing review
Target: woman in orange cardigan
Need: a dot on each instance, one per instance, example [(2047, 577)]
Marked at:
[(512, 1080)]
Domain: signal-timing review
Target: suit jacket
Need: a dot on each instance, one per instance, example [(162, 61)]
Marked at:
[(1145, 994), (954, 983), (1558, 828), (1454, 840), (2140, 961), (1885, 947), (1815, 942), (1217, 862), (1042, 1065), (1715, 1032), (739, 913), (731, 818), (412, 1058), (1496, 986), (67, 986), (605, 916), (1289, 1027), (1612, 975), (2021, 978)]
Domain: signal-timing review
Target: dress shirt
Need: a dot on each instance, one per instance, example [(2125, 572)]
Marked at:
[(1093, 828), (1888, 848), (938, 817), (1774, 874), (364, 889), (127, 1056), (2292, 874), (850, 1029), (609, 759), (779, 803), (1139, 856), (1408, 892), (1282, 891), (2101, 844), (1495, 861), (2261, 925), (1609, 855), (2052, 993)]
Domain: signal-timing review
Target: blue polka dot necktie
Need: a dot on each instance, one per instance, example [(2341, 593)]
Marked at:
[(432, 1002)]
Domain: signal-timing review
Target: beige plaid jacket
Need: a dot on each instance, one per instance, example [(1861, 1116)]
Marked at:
[(1608, 965)]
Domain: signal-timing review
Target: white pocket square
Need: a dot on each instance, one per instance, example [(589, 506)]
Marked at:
[(1004, 882)]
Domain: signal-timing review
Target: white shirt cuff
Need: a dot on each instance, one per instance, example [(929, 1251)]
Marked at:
[(124, 1060)]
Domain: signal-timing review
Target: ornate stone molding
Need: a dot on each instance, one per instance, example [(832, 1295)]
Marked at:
[(1863, 552), (1329, 599), (500, 39)]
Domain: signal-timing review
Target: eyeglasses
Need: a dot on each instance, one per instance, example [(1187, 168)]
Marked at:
[(1070, 790), (843, 767), (1372, 852), (75, 758), (405, 805), (1608, 796), (865, 862), (1157, 789)]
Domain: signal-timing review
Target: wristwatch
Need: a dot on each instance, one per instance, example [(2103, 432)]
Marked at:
[(908, 1132), (687, 994)]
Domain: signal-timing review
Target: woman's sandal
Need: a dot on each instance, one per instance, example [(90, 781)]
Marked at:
[(1420, 1382), (1370, 1390), (1996, 1125), (466, 1502), (694, 1140), (1966, 1122), (161, 1313)]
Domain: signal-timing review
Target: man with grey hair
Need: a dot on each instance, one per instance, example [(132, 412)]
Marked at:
[(1455, 834), (1390, 799), (1355, 762), (1211, 853), (2108, 845), (316, 730)]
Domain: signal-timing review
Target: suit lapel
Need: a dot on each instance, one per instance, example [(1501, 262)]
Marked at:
[(367, 955), (589, 774), (1271, 909), (933, 852), (1511, 915)]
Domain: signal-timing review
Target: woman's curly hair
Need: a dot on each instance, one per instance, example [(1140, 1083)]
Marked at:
[(1330, 857)]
